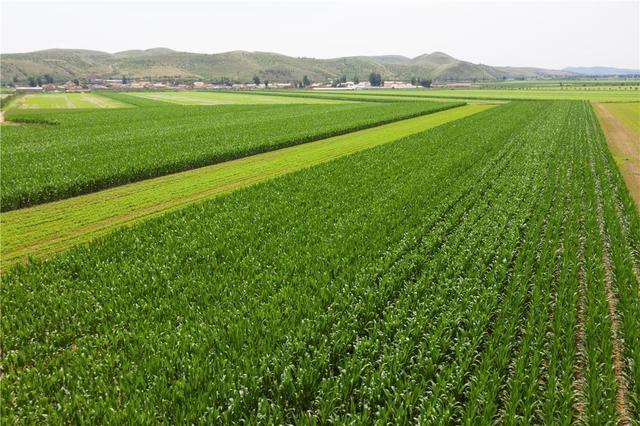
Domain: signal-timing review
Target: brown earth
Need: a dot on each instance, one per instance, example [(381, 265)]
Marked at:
[(625, 147)]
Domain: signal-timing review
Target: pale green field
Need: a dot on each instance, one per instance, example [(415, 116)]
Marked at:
[(65, 101), (225, 98), (629, 116), (45, 229), (594, 94)]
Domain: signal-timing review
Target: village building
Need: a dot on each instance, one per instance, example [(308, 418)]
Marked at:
[(27, 89)]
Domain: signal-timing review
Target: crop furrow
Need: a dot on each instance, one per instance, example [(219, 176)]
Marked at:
[(394, 278), (396, 322), (611, 296), (528, 372)]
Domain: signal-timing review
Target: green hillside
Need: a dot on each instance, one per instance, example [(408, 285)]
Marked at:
[(163, 63)]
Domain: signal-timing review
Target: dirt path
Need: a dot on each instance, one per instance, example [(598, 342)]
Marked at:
[(625, 147)]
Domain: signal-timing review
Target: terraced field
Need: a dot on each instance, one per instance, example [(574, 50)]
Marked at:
[(482, 271)]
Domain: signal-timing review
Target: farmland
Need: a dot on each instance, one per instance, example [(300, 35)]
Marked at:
[(629, 115), (625, 94), (465, 273), (46, 229), (222, 98), (593, 94), (65, 101), (61, 154)]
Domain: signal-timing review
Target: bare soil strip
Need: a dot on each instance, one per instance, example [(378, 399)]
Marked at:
[(69, 102), (625, 147)]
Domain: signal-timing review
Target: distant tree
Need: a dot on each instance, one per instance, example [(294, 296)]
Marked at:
[(48, 78), (32, 81), (375, 79), (414, 81), (256, 80), (425, 82), (76, 82), (343, 79), (38, 81), (266, 84), (305, 81), (356, 80), (125, 80)]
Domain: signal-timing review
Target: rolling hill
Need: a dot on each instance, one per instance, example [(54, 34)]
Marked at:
[(163, 63)]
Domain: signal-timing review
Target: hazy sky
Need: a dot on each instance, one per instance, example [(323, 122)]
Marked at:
[(521, 33)]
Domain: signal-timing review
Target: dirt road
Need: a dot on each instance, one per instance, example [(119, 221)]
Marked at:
[(625, 147)]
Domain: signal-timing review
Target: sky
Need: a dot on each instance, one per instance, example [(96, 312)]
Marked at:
[(541, 33)]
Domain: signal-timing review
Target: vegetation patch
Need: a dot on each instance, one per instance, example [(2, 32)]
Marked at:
[(225, 98), (43, 230), (66, 101), (87, 151), (594, 94), (461, 275)]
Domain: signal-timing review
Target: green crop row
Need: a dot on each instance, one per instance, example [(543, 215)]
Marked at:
[(133, 100), (461, 275), (75, 152), (629, 94)]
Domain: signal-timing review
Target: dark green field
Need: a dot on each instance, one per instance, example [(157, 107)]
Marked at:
[(482, 271)]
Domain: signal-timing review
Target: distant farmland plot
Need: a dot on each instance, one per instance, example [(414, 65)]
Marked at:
[(621, 124), (90, 150), (224, 98), (594, 94), (374, 96), (629, 115), (66, 101)]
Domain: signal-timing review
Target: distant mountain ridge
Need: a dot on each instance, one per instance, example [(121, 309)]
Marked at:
[(163, 63), (602, 71)]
